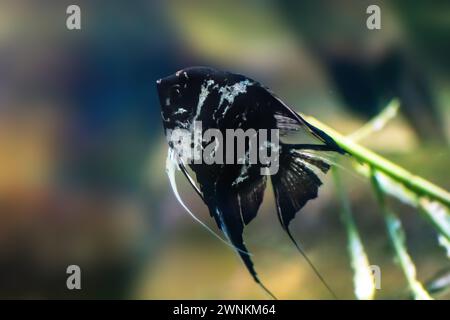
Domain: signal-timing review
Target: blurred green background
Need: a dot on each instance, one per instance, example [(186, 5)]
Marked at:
[(82, 150)]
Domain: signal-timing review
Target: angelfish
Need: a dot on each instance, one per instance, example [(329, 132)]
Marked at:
[(233, 193)]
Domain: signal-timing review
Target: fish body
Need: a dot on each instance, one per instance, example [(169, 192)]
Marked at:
[(233, 191)]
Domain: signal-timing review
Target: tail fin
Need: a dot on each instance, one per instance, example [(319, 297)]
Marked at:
[(294, 185)]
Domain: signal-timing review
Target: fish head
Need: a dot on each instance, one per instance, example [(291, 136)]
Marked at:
[(180, 94)]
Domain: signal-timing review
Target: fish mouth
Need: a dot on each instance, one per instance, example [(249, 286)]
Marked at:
[(163, 84), (159, 89), (163, 87)]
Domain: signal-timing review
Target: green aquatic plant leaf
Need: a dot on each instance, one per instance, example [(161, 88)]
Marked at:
[(363, 280), (398, 241), (412, 182), (377, 123), (437, 214), (433, 211), (445, 243)]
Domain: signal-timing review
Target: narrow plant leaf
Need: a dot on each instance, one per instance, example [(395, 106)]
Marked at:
[(378, 122), (409, 180), (363, 280), (390, 186), (445, 243), (433, 211), (437, 214), (397, 236), (397, 239), (439, 284)]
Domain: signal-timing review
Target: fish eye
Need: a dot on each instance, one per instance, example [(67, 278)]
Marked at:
[(175, 91)]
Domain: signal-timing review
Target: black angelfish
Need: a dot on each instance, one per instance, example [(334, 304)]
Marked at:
[(234, 192)]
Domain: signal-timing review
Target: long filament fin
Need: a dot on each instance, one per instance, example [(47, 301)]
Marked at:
[(171, 166)]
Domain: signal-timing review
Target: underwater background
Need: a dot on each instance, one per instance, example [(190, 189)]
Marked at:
[(82, 148)]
